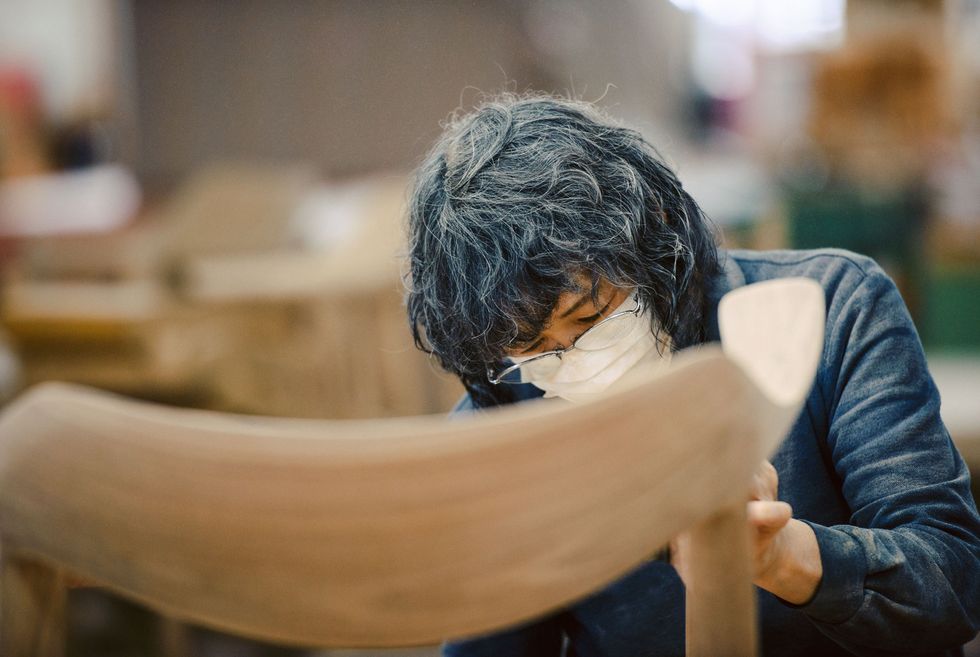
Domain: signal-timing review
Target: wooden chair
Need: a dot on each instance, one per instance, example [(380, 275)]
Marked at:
[(383, 533)]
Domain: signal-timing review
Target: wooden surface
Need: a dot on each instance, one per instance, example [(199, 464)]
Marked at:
[(376, 533), (720, 605)]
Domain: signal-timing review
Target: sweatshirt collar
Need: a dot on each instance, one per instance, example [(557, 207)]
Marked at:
[(729, 278)]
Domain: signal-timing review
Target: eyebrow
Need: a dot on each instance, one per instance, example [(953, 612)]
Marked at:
[(578, 304)]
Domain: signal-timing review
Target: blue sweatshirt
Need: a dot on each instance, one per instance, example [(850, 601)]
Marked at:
[(868, 464)]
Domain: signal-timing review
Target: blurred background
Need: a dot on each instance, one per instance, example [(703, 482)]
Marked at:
[(200, 201)]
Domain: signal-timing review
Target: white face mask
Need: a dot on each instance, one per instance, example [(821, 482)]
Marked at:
[(584, 375)]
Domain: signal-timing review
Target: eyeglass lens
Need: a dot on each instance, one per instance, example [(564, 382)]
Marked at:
[(601, 336)]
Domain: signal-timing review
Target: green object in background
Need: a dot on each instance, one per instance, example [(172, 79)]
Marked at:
[(952, 307), (884, 226), (888, 227)]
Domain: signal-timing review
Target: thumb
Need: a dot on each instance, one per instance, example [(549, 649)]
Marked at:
[(769, 517)]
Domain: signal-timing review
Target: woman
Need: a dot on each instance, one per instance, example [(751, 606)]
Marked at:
[(536, 219)]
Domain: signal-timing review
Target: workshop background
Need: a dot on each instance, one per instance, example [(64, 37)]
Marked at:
[(200, 201)]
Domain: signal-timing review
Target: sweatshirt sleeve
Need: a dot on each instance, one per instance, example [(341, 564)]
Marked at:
[(904, 575)]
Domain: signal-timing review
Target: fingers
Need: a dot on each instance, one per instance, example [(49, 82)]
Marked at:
[(768, 516), (765, 482)]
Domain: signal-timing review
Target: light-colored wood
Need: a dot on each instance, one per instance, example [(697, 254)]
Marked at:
[(721, 607), (774, 331), (376, 533), (32, 607)]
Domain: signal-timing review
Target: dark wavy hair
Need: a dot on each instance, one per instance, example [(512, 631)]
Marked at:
[(521, 199)]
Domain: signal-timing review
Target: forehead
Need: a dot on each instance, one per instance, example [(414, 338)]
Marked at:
[(583, 285)]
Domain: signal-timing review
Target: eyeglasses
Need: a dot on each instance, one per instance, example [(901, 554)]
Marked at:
[(601, 335)]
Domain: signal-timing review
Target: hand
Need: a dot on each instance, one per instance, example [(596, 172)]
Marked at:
[(785, 550), (767, 517)]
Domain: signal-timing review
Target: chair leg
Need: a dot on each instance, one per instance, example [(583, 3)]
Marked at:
[(33, 598), (174, 637), (721, 602)]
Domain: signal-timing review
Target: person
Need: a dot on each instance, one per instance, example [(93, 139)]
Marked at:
[(542, 233)]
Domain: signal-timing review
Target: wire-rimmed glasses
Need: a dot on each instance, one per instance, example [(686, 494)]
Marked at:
[(601, 335)]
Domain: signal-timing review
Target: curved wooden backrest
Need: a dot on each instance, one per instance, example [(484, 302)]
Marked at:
[(375, 533)]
